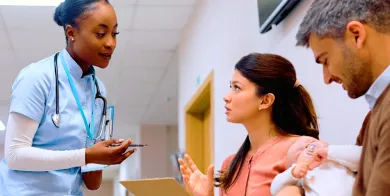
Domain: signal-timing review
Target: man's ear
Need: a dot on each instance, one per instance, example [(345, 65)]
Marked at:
[(356, 32), (266, 101)]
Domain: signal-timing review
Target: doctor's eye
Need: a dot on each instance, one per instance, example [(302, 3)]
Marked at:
[(100, 34), (115, 34)]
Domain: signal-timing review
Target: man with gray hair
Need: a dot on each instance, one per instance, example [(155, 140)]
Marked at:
[(351, 39)]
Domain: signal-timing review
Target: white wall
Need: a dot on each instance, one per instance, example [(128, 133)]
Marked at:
[(220, 33)]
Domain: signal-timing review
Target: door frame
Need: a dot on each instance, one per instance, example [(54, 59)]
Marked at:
[(200, 102)]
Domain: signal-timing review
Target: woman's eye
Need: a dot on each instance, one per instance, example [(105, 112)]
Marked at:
[(100, 34), (234, 87)]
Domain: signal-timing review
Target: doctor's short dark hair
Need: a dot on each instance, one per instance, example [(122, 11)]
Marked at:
[(329, 18), (69, 11)]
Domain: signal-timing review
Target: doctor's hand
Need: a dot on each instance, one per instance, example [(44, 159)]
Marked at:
[(195, 181), (102, 153)]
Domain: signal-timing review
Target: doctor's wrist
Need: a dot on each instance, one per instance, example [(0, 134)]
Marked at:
[(88, 157)]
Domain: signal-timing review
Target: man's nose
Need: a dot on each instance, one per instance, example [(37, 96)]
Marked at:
[(327, 76)]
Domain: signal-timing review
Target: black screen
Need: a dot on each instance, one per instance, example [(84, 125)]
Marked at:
[(267, 7)]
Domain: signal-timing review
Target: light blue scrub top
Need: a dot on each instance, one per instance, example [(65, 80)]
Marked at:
[(33, 95)]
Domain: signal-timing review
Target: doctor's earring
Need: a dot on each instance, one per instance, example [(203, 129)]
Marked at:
[(72, 39)]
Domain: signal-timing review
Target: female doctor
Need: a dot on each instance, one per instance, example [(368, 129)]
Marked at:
[(43, 153)]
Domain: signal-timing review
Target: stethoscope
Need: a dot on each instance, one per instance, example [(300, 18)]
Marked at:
[(56, 118)]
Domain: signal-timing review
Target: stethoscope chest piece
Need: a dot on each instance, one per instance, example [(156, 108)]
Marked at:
[(56, 120)]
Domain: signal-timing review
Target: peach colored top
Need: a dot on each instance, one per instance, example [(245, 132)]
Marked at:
[(259, 170)]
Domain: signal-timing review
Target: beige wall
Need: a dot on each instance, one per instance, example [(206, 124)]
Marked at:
[(162, 140), (172, 146)]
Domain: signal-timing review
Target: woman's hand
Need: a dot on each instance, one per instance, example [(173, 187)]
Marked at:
[(102, 153), (195, 181), (93, 180)]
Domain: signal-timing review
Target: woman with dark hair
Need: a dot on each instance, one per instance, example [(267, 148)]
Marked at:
[(266, 97), (54, 120)]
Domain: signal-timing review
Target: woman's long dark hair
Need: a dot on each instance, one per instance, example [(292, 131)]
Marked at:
[(292, 111)]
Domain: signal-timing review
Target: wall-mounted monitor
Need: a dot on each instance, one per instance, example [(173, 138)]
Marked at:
[(272, 12)]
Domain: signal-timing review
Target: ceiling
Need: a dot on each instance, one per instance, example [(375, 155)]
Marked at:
[(142, 78)]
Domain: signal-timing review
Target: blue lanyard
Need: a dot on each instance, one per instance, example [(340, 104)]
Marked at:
[(90, 129)]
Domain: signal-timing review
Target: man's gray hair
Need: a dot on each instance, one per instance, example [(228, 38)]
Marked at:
[(329, 18)]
